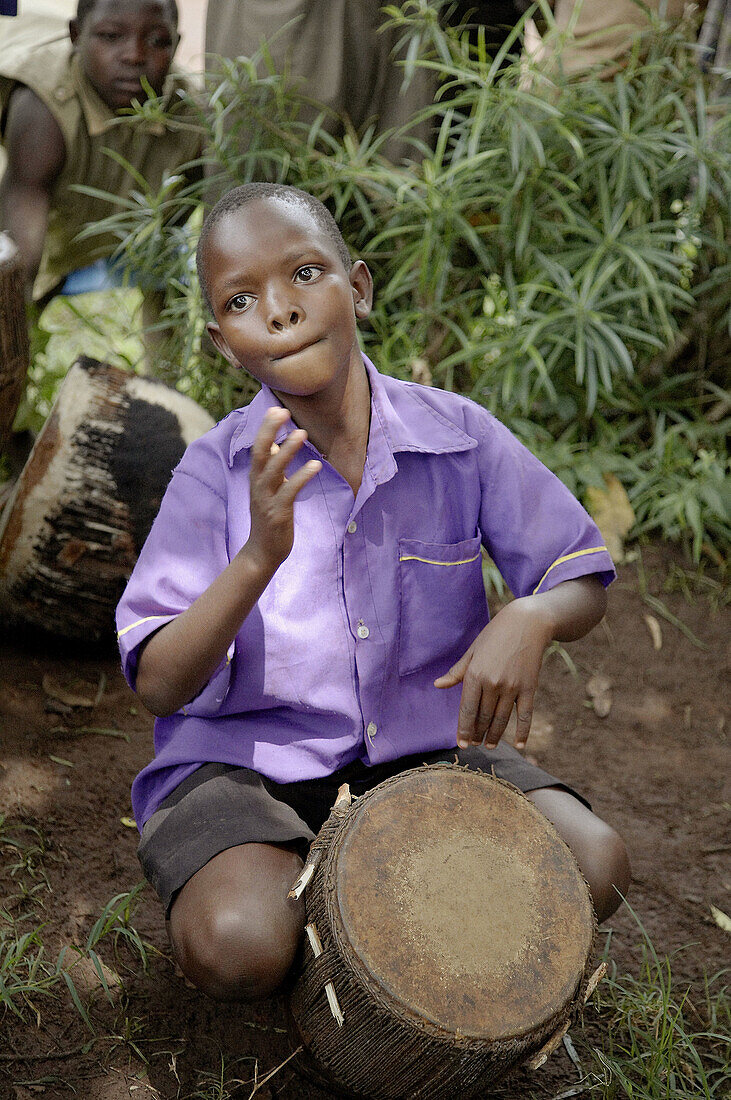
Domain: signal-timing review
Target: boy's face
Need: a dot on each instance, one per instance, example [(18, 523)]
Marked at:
[(285, 305), (122, 41)]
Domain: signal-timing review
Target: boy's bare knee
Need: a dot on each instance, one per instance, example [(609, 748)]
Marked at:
[(234, 933), (233, 955), (613, 857), (598, 848), (604, 861)]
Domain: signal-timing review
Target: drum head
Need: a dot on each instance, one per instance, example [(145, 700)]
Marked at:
[(461, 904)]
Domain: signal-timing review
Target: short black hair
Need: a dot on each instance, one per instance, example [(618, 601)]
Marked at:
[(248, 192), (85, 7)]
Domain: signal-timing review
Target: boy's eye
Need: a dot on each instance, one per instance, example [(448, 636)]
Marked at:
[(307, 274), (239, 303), (160, 42)]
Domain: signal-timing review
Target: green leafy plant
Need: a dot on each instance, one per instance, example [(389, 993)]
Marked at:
[(559, 252)]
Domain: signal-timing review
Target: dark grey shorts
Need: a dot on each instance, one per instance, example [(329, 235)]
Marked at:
[(221, 805)]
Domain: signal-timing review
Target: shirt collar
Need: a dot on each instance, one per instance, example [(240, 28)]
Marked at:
[(402, 419)]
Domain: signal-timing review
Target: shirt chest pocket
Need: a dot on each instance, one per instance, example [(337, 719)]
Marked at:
[(442, 602)]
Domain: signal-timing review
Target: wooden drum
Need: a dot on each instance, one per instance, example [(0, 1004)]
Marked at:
[(86, 498), (449, 930)]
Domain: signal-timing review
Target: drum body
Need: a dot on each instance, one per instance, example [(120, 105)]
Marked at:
[(452, 934), (84, 503)]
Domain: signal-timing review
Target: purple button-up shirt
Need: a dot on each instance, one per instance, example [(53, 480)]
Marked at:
[(381, 593)]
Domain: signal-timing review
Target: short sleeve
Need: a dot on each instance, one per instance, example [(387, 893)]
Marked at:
[(185, 551), (533, 527)]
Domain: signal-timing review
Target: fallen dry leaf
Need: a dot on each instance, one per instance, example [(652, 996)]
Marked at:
[(612, 513), (599, 691), (52, 687), (61, 760), (721, 919), (598, 685), (655, 632), (602, 705)]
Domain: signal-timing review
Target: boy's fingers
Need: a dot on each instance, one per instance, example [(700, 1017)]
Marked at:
[(470, 704), (281, 456), (271, 424), (274, 450), (525, 717), (293, 484), (498, 724), (456, 672)]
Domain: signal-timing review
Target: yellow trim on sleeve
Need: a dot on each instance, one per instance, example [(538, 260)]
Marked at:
[(139, 622), (428, 561), (568, 557)]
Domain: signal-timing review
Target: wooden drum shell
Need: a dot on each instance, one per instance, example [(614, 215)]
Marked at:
[(389, 1045), (71, 532)]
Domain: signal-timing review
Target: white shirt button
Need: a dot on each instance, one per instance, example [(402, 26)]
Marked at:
[(371, 730), (352, 527), (362, 631)]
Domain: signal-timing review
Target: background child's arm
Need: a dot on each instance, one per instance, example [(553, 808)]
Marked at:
[(36, 153), (501, 667), (181, 657)]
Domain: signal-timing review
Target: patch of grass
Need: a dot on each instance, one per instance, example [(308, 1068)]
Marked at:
[(657, 1043), (28, 973), (25, 974)]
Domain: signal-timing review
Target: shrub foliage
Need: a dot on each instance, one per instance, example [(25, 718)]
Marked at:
[(559, 253)]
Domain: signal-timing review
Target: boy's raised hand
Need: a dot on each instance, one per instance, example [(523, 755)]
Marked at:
[(272, 495), (500, 670)]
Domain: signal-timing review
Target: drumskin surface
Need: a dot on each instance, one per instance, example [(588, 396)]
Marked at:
[(463, 906)]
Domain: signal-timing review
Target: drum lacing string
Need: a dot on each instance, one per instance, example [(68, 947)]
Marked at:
[(318, 846), (340, 808)]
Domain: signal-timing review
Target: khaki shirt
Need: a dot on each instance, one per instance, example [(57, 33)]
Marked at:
[(605, 30), (51, 70), (333, 52)]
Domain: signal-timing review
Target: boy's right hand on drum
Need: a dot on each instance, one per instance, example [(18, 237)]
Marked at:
[(272, 494)]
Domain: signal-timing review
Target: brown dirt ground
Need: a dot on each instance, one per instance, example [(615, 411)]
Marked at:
[(655, 767)]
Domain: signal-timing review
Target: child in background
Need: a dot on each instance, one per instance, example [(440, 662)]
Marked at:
[(309, 608), (61, 104)]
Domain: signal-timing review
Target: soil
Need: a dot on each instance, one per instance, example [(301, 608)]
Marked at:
[(654, 766)]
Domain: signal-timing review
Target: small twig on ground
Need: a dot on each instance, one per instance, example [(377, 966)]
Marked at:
[(274, 1072), (49, 1056), (577, 1090), (658, 606), (263, 1027), (101, 688)]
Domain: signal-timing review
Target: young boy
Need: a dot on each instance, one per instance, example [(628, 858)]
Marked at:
[(61, 100), (309, 607)]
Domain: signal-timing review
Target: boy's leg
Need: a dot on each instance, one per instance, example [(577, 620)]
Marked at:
[(234, 932), (597, 848)]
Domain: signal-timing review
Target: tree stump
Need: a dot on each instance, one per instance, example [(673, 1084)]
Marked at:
[(14, 352), (84, 503)]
